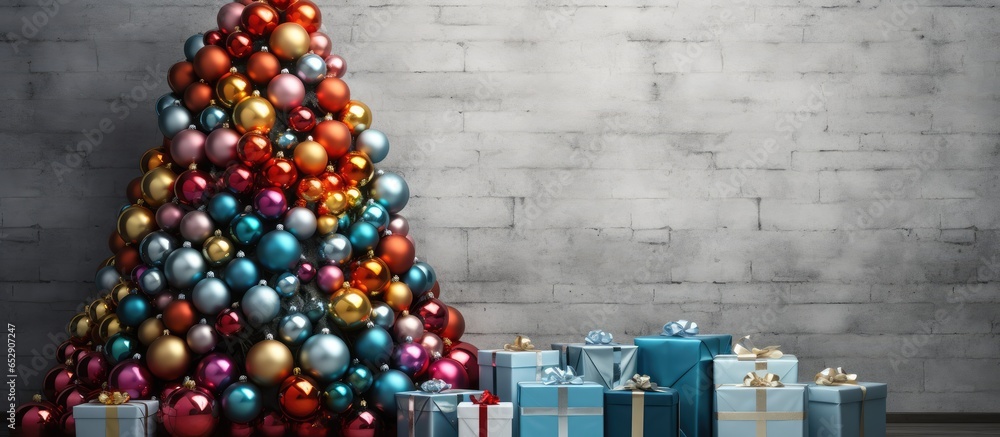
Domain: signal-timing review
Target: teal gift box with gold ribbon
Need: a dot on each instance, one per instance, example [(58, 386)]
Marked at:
[(762, 406), (840, 405), (639, 409), (134, 418), (562, 405)]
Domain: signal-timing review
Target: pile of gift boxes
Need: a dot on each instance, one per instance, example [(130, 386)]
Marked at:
[(677, 383)]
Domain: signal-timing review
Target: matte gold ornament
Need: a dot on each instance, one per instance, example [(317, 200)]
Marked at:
[(168, 357), (79, 326), (269, 362), (357, 116), (350, 308), (253, 113), (326, 224), (232, 88), (218, 250), (289, 41), (158, 186), (398, 296), (153, 158), (150, 330), (136, 222), (310, 158)]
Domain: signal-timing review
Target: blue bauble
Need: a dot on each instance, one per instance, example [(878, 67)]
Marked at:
[(324, 357), (376, 214), (174, 119), (212, 118), (372, 143), (185, 267), (334, 248), (192, 45), (120, 347), (310, 68), (390, 190), (337, 397), (416, 279), (374, 345), (294, 328), (155, 247), (223, 207), (165, 101), (363, 237), (359, 377), (211, 295), (385, 387), (344, 222), (152, 281), (428, 272), (315, 310), (240, 275), (133, 310), (286, 141), (383, 315), (278, 251), (241, 402), (286, 284), (261, 305), (246, 229), (107, 277)]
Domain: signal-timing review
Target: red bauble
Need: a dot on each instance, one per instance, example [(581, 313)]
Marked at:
[(92, 370), (67, 424), (213, 38), (229, 322), (332, 182), (332, 94), (280, 172), (180, 76), (74, 395), (456, 325), (189, 412), (436, 288), (211, 63), (126, 260), (36, 419), (115, 241), (299, 397), (469, 360), (434, 313), (198, 96), (68, 348), (179, 316), (272, 425), (450, 371), (334, 136), (306, 14), (238, 179), (239, 45), (313, 428), (193, 187), (241, 429), (259, 19), (134, 190), (362, 423), (281, 4), (56, 380), (397, 252), (262, 67), (301, 119), (169, 389), (254, 149)]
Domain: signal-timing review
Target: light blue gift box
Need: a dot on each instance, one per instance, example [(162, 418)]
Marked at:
[(730, 369), (135, 418), (425, 414), (501, 370), (844, 410), (742, 411), (610, 365), (561, 410)]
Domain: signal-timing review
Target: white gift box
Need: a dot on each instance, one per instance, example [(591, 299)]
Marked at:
[(499, 420), (135, 418)]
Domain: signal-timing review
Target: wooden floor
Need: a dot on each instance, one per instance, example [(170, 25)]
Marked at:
[(946, 429)]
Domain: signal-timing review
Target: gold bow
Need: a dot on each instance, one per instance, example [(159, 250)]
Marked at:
[(745, 350), (113, 397), (521, 343), (639, 382), (836, 376), (768, 380)]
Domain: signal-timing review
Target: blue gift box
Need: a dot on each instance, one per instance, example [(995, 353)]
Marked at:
[(561, 410), (640, 413), (742, 411), (425, 414), (844, 410), (607, 364), (730, 369), (501, 370), (685, 364)]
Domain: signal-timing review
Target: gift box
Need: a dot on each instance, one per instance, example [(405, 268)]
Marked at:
[(561, 410), (684, 363), (760, 411), (731, 368), (430, 414), (134, 418), (847, 409), (501, 370), (609, 365), (638, 413), (483, 420)]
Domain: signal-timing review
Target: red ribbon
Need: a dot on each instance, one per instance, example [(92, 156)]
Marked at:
[(484, 402)]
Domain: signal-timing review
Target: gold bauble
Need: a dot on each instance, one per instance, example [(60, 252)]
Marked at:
[(326, 224), (158, 186), (350, 308), (149, 330), (398, 296), (354, 197), (232, 88), (79, 326), (356, 116), (168, 357), (218, 250), (118, 292), (97, 309), (310, 158), (136, 222), (104, 328), (253, 113), (289, 41), (153, 158), (269, 362), (336, 202)]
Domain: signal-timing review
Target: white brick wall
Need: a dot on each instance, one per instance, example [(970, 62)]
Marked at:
[(822, 173)]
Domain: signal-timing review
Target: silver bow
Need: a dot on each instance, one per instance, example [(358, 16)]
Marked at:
[(598, 336), (640, 383), (557, 376), (680, 328), (434, 386)]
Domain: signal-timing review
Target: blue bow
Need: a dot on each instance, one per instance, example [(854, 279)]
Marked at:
[(680, 328), (599, 337), (557, 376), (434, 386)]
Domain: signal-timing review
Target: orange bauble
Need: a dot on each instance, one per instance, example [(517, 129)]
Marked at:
[(332, 94), (211, 63), (262, 67), (179, 316), (370, 275), (310, 158), (280, 172), (398, 296), (310, 189), (197, 97), (456, 325), (180, 76), (334, 136), (306, 14), (299, 397), (397, 252), (355, 168)]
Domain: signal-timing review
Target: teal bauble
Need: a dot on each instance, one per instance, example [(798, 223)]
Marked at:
[(374, 346), (120, 347), (385, 387), (246, 229), (241, 402), (337, 397), (240, 275), (363, 237), (223, 207), (212, 118), (278, 251), (359, 377), (133, 310), (416, 279), (375, 214)]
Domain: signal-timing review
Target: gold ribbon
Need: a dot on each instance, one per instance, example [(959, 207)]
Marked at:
[(746, 351), (113, 397), (639, 385), (754, 380), (760, 416), (833, 377), (521, 344)]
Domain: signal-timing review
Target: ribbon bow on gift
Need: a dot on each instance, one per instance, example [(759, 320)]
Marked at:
[(640, 383), (768, 380), (521, 343), (486, 398), (434, 386), (680, 328), (598, 336), (113, 397), (557, 376), (745, 350), (836, 376)]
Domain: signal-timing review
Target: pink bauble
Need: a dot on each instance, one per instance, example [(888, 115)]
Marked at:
[(398, 225), (320, 44), (162, 300), (193, 187), (169, 215), (411, 359), (306, 272), (335, 66), (188, 147), (286, 91), (408, 326), (329, 279), (229, 17), (220, 146), (270, 203), (433, 345), (215, 372), (238, 178), (189, 412), (196, 227), (132, 377), (449, 371), (92, 369)]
